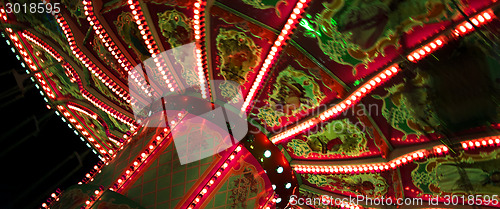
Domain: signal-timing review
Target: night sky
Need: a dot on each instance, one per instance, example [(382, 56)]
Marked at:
[(39, 152)]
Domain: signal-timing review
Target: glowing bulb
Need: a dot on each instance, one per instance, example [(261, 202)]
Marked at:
[(468, 25), (480, 18), (486, 16), (267, 154), (464, 145), (416, 55), (463, 29), (474, 21)]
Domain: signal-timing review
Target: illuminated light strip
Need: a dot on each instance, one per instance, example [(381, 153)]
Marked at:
[(373, 83), (215, 177), (115, 88), (142, 158), (32, 66), (127, 137), (478, 20), (366, 168), (84, 132), (106, 40), (97, 168), (88, 177), (361, 92), (54, 197), (111, 46), (461, 29), (493, 141), (347, 103), (137, 164), (116, 140), (104, 107), (3, 14), (93, 197), (199, 24), (93, 115), (42, 45), (45, 85), (478, 143), (140, 20), (429, 48), (99, 104), (275, 50)]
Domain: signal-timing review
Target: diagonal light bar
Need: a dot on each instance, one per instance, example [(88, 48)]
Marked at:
[(414, 56), (439, 150), (151, 150), (113, 49), (461, 29), (115, 88), (91, 137), (53, 198), (334, 111), (3, 14), (214, 179), (275, 50), (201, 57), (108, 42), (140, 20), (95, 116), (30, 37), (104, 37)]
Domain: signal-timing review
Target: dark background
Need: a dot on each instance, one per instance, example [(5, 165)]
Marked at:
[(38, 151)]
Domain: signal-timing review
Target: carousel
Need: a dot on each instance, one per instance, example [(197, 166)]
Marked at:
[(271, 103)]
